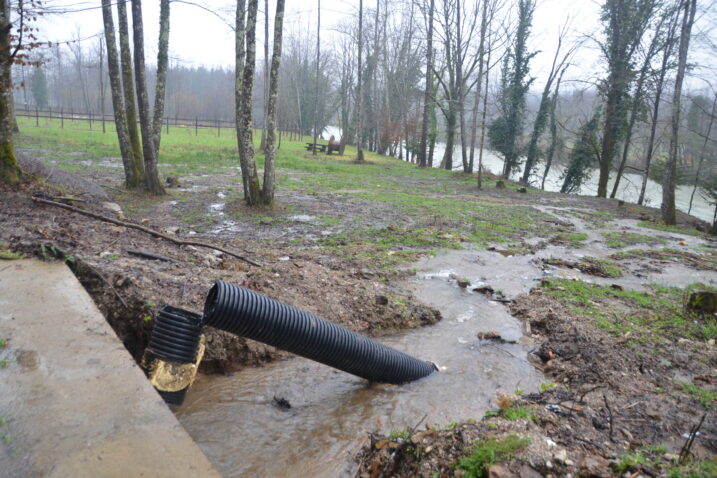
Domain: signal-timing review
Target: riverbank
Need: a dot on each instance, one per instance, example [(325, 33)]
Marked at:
[(337, 244)]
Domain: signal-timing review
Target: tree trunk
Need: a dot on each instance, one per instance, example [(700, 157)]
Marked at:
[(152, 183), (9, 169), (669, 215), (553, 130), (483, 120), (479, 82), (703, 151), (128, 86), (252, 190), (666, 54), (422, 160), (451, 121), (132, 171), (162, 63), (318, 71), (359, 99), (268, 191), (262, 142)]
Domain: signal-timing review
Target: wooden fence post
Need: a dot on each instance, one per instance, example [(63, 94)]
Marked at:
[(62, 120), (37, 117), (196, 125)]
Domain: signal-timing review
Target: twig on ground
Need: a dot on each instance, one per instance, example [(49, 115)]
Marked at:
[(597, 387), (401, 446), (685, 451), (609, 411), (147, 230)]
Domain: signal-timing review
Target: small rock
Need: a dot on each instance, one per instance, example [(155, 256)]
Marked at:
[(173, 182), (462, 283), (522, 190), (594, 466), (486, 290), (500, 184), (711, 342), (500, 471), (528, 472), (617, 287), (172, 230), (381, 300), (682, 243), (569, 463), (560, 455)]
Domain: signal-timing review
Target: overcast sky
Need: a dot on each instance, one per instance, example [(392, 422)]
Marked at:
[(200, 37)]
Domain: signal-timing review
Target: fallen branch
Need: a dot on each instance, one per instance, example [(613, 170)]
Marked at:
[(151, 256), (146, 230)]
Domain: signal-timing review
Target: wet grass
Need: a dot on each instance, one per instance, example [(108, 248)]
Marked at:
[(661, 226), (650, 317), (443, 208), (618, 240), (490, 451)]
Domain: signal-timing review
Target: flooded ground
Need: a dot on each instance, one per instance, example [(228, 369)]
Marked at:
[(237, 424)]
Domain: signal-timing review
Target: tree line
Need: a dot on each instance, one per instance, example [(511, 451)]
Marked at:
[(400, 76)]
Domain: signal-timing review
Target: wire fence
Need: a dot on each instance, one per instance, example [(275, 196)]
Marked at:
[(105, 123)]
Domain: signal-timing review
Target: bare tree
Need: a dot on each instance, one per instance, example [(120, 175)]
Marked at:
[(689, 8), (427, 95), (359, 101), (667, 52), (152, 184), (541, 117), (269, 181), (252, 190), (132, 168), (318, 73), (162, 64), (128, 83)]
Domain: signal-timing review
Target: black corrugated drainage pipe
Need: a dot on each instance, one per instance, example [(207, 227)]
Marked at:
[(248, 314), (175, 349)]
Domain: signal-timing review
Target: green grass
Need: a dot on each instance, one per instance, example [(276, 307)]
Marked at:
[(490, 451), (654, 315), (3, 343), (436, 202), (699, 469), (706, 397), (9, 255), (618, 240), (661, 226), (399, 434)]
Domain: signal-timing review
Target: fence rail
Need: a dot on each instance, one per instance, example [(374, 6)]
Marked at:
[(99, 122)]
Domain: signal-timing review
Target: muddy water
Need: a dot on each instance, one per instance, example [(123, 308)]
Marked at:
[(236, 423)]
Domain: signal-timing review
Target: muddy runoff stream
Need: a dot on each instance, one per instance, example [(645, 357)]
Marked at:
[(239, 425)]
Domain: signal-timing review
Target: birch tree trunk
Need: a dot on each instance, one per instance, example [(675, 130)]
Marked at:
[(9, 169), (318, 71), (128, 86), (240, 54), (359, 99), (669, 215), (422, 160), (269, 181), (152, 184), (262, 143), (132, 172), (162, 63), (252, 190)]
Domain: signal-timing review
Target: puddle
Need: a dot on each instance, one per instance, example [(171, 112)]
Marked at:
[(234, 421), (302, 218)]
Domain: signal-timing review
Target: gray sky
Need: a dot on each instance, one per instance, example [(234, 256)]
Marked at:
[(199, 37)]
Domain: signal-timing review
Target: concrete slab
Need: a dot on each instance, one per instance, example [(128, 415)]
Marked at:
[(72, 400)]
